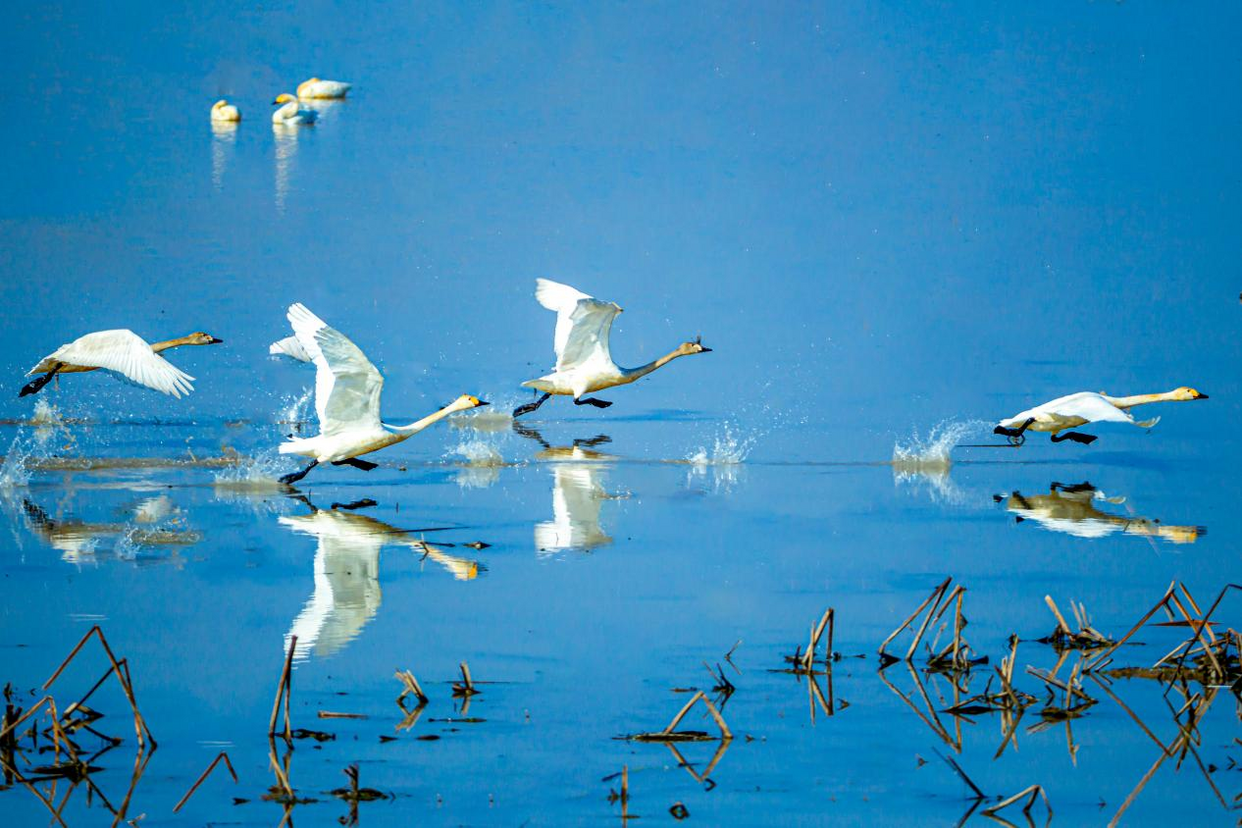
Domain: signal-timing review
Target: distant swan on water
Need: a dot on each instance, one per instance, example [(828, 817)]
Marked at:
[(1086, 407), (316, 88), (291, 112), (222, 110), (125, 354), (347, 401), (583, 359)]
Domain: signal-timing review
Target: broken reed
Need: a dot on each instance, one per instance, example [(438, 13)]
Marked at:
[(804, 662), (671, 734), (957, 654), (284, 689)]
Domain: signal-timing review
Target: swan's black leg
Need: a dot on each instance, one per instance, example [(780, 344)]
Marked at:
[(598, 439), (591, 401), (364, 465), (1085, 439), (298, 475), (35, 385), (1014, 432), (530, 433), (365, 503), (529, 407)]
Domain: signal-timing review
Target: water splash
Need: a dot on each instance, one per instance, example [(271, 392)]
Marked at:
[(495, 417), (931, 453), (260, 472), (31, 445), (46, 414), (728, 449), (296, 410), (482, 463)]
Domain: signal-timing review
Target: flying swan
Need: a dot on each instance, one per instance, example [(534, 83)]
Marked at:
[(583, 361), (125, 354), (1086, 407), (316, 88), (347, 401), (291, 112)]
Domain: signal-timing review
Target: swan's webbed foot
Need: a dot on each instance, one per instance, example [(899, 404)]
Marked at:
[(1085, 439), (294, 477), (362, 465), (1017, 436), (529, 407), (591, 401), (35, 385)]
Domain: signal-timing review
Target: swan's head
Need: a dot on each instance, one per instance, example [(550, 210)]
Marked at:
[(220, 104), (283, 98), (1186, 393), (695, 347), (202, 338), (465, 402)]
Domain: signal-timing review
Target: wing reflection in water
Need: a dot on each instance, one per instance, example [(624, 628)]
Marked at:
[(1074, 511), (578, 493), (153, 522), (347, 591)]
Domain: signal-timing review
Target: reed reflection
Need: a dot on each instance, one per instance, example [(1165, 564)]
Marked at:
[(578, 493), (1075, 510), (347, 592)]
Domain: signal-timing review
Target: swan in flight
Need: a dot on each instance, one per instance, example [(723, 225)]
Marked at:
[(347, 401), (1073, 510), (125, 354), (222, 110), (583, 360), (291, 112), (316, 88), (290, 347), (1086, 407)]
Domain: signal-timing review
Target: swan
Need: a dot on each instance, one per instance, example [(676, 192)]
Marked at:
[(222, 110), (347, 401), (316, 88), (1086, 407), (125, 354), (583, 361), (1072, 510), (291, 112), (290, 347)]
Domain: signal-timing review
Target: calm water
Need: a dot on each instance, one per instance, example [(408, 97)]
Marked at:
[(880, 219)]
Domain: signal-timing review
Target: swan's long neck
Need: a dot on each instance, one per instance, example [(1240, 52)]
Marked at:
[(430, 420), (170, 343), (641, 371), (1141, 399)]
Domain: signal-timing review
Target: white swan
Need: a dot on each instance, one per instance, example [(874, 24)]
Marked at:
[(291, 112), (347, 401), (222, 110), (316, 88), (583, 360), (125, 354), (290, 347), (1087, 407)]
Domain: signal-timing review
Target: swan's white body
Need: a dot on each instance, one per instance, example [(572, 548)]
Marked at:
[(223, 111), (347, 397), (291, 113), (316, 88), (125, 355), (1072, 411)]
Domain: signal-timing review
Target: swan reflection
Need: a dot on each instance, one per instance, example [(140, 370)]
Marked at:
[(223, 138), (347, 591), (578, 493), (154, 521), (1074, 511), (286, 148)]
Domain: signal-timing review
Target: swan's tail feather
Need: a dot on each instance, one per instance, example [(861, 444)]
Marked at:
[(1147, 423)]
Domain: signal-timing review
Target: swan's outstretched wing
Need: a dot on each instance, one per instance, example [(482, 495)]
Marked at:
[(582, 322), (290, 347), (125, 354), (347, 385)]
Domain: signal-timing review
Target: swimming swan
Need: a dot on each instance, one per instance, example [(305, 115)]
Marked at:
[(316, 88), (291, 112), (1086, 407), (583, 360), (124, 353), (347, 401), (222, 110)]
